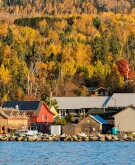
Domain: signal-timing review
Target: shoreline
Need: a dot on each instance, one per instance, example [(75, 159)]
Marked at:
[(69, 138)]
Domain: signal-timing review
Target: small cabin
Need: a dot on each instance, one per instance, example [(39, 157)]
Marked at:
[(101, 91), (89, 125)]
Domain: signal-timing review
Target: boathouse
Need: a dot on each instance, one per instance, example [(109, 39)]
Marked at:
[(125, 119), (12, 119), (40, 116), (89, 125)]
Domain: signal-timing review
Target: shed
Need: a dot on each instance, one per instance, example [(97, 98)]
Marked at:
[(55, 129), (90, 124), (125, 120)]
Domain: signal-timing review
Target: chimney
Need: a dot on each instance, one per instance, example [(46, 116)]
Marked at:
[(17, 107)]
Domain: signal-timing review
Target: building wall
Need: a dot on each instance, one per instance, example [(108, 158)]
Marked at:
[(12, 123), (125, 120), (45, 116), (3, 121), (90, 126), (18, 123), (71, 130)]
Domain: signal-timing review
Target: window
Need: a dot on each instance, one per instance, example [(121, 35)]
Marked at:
[(88, 121), (43, 117), (46, 117), (68, 128), (106, 93), (96, 93)]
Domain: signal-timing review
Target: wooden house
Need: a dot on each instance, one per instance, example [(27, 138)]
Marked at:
[(125, 120), (101, 91), (12, 119), (89, 125), (40, 116)]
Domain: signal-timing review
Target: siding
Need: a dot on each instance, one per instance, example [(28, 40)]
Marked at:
[(18, 123), (125, 120)]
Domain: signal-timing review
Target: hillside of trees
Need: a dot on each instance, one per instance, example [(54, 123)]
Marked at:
[(62, 47)]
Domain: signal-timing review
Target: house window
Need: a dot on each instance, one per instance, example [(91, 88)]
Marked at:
[(43, 117), (88, 121), (46, 117), (96, 93), (106, 93), (68, 128)]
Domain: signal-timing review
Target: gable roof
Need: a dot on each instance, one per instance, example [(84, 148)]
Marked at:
[(28, 106), (100, 89), (22, 105), (53, 110), (6, 112), (99, 119), (131, 107), (81, 102), (121, 100)]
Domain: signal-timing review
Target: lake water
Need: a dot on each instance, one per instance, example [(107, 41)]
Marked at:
[(67, 153)]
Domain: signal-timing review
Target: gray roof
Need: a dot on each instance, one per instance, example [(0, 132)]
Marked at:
[(121, 100), (81, 102)]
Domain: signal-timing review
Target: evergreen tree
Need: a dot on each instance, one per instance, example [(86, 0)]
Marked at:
[(10, 36)]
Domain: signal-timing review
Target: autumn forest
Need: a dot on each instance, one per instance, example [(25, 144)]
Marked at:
[(65, 46)]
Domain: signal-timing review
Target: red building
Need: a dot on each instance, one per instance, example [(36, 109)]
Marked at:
[(40, 117)]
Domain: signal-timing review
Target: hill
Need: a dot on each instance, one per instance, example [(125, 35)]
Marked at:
[(64, 53)]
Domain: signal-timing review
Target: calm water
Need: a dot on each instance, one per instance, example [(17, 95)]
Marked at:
[(67, 153)]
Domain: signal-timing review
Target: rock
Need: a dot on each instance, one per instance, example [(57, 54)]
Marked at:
[(62, 137), (108, 137), (12, 138), (129, 138), (66, 138), (101, 139), (20, 138), (25, 139), (4, 138), (31, 138), (115, 138), (39, 139), (56, 138), (94, 138), (75, 138), (123, 136)]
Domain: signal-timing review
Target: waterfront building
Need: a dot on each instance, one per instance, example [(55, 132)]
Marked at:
[(124, 121), (80, 105), (40, 116), (89, 125), (12, 119)]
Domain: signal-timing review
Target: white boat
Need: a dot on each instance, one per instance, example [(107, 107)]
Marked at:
[(30, 132)]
